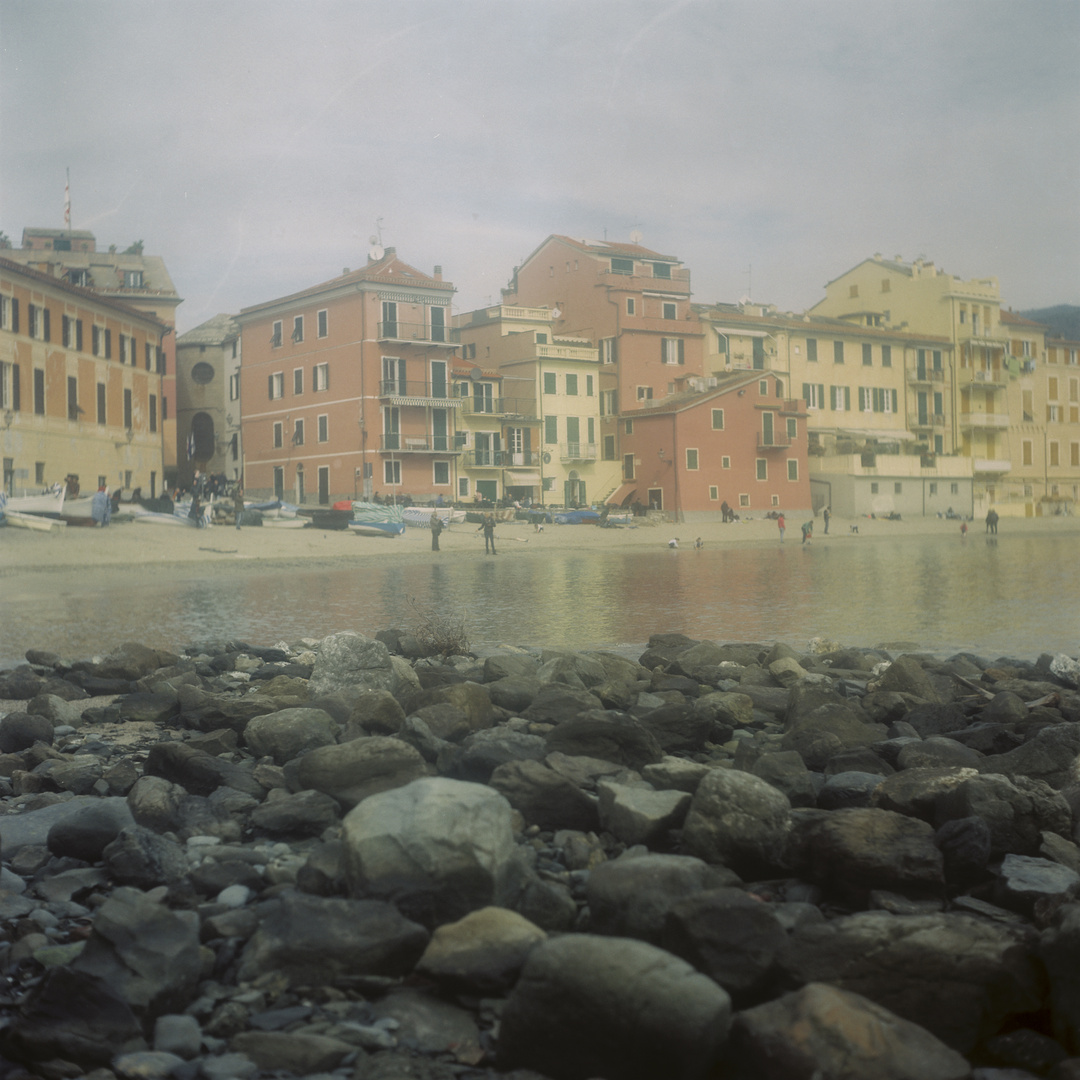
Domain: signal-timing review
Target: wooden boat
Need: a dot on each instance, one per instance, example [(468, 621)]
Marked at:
[(21, 520), (275, 508), (284, 523), (420, 516), (48, 502), (375, 519)]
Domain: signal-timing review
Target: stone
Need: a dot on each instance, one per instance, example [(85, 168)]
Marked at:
[(508, 665), (436, 848), (678, 727), (823, 1032), (484, 751), (516, 693), (143, 859), (146, 1065), (632, 895), (555, 703), (637, 814), (578, 670), (544, 797), (918, 792), (937, 752), (57, 710), (20, 730), (1025, 880), (610, 736), (32, 827), (787, 671), (287, 734), (431, 1026), (305, 813), (86, 833), (965, 845), (349, 660), (593, 1006), (356, 770), (374, 712), (786, 771), (298, 1053), (738, 820), (198, 772), (905, 675), (1051, 755), (847, 789)]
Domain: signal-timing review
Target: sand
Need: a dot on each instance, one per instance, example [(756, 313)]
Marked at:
[(144, 549)]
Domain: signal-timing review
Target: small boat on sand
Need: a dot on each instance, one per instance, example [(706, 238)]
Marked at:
[(376, 519)]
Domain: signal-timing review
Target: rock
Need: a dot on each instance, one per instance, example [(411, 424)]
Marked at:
[(1051, 756), (204, 711), (20, 730), (141, 858), (198, 772), (638, 814), (516, 693), (376, 712), (130, 661), (937, 752), (787, 671), (738, 820), (86, 833), (578, 670), (482, 953), (678, 727), (544, 797), (509, 665), (33, 826), (632, 895), (289, 733), (823, 1032), (348, 659), (1066, 669), (484, 751), (436, 848), (965, 845), (612, 737), (592, 1006), (918, 792), (556, 703), (1059, 950), (56, 710), (360, 768), (305, 813), (431, 1026), (786, 771), (144, 707), (311, 939), (675, 774), (146, 1065), (295, 1052), (848, 789), (905, 675), (146, 953), (1024, 881)]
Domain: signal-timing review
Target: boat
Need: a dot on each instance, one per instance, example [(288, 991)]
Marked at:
[(283, 523), (420, 516), (47, 502), (327, 517), (576, 517), (275, 508), (376, 519), (22, 520)]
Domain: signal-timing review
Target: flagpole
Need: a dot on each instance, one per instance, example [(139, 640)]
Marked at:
[(67, 203)]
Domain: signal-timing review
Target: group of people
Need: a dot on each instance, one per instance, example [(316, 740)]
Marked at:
[(807, 527), (487, 526)]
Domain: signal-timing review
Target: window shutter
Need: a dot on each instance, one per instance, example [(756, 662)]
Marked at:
[(16, 400), (682, 358), (108, 344), (15, 316), (46, 334), (78, 334), (892, 394), (270, 387)]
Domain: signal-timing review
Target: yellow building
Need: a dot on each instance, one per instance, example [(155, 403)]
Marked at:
[(560, 377), (80, 386)]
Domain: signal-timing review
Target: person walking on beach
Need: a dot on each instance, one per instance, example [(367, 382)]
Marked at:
[(781, 524), (963, 530), (436, 527), (991, 521), (488, 527), (807, 531), (238, 505), (826, 514)]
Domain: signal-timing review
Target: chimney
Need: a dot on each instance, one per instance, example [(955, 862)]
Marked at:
[(344, 270), (438, 273)]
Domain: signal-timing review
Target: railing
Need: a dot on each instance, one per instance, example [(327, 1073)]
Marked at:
[(926, 420), (989, 380), (419, 444), (566, 352), (984, 420), (409, 388), (578, 451), (501, 459), (928, 375), (991, 465), (680, 278), (410, 331), (474, 406), (777, 441)]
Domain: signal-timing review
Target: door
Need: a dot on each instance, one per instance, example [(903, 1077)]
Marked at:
[(391, 428), (766, 427), (573, 437), (482, 398), (324, 485), (389, 319), (393, 375), (300, 483), (515, 445), (924, 413), (438, 378), (279, 482), (440, 440), (482, 453), (920, 365), (438, 324), (656, 498)]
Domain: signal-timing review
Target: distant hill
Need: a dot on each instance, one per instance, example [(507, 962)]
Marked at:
[(1062, 320)]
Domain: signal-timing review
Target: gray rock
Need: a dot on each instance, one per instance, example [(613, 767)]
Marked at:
[(360, 768), (637, 814), (509, 665), (79, 775), (289, 733), (349, 659), (436, 848), (936, 752), (146, 1065), (516, 693), (56, 710), (1059, 950), (1066, 669), (484, 751), (429, 1025), (786, 771), (918, 792), (965, 845), (32, 827), (376, 712), (204, 711), (726, 708), (86, 833), (593, 1006), (20, 730), (1051, 756), (577, 670), (305, 813), (678, 727), (1025, 880), (198, 772), (297, 1053), (141, 858), (232, 1066), (544, 797), (610, 736), (905, 675), (675, 774), (846, 789), (738, 820), (555, 703), (311, 939), (821, 1031)]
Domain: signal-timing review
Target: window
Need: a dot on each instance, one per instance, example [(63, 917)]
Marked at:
[(718, 419), (164, 408), (1074, 453), (39, 391), (898, 488), (127, 409), (811, 350), (691, 460), (1052, 389), (73, 398), (644, 393), (661, 270), (298, 433), (392, 472), (714, 492), (608, 402), (571, 384), (853, 291), (133, 279), (763, 388), (963, 314), (275, 335), (631, 305), (877, 399), (725, 462), (541, 338), (838, 352), (323, 424), (671, 311), (278, 438), (234, 386), (1054, 458), (149, 355), (886, 356), (551, 429), (1026, 451), (671, 351), (840, 398), (550, 383), (933, 487), (101, 403), (867, 355), (622, 266), (608, 448), (814, 395), (628, 427), (441, 472), (607, 350), (792, 427), (298, 328), (298, 380), (873, 487), (761, 466), (463, 487), (744, 500), (67, 332), (628, 467), (588, 386), (320, 377), (277, 385), (202, 373), (793, 469), (153, 412)]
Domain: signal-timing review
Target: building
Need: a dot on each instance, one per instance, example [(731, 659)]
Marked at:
[(80, 385), (346, 387), (736, 439), (208, 400), (139, 281), (550, 405)]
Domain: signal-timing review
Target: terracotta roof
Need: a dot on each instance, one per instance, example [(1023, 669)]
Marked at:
[(689, 398), (1011, 319), (611, 247)]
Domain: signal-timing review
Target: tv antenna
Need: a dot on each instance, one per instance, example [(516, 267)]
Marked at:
[(377, 251)]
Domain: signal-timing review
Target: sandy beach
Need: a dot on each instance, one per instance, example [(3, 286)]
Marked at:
[(147, 548)]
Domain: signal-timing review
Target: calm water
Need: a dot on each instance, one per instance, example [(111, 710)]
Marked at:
[(1013, 596)]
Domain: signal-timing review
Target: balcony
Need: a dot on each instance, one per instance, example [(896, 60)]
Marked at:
[(639, 278), (984, 421), (996, 379), (925, 375), (418, 444), (924, 421), (449, 336), (418, 392), (501, 459), (567, 352), (577, 451), (525, 408), (776, 441), (991, 465)]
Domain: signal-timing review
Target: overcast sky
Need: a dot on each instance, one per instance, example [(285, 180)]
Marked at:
[(256, 144)]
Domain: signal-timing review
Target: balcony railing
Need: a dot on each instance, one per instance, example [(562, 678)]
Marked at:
[(991, 465), (419, 392), (419, 444), (474, 406), (578, 451), (926, 420), (925, 375), (988, 380), (501, 459), (777, 441), (410, 331), (997, 421)]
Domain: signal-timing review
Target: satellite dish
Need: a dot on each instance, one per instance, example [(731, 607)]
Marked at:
[(635, 236), (476, 373), (556, 313), (376, 252)]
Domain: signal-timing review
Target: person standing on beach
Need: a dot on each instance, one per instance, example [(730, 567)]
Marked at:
[(488, 528), (436, 527), (826, 514), (807, 531), (963, 530), (238, 504), (991, 521), (781, 525)]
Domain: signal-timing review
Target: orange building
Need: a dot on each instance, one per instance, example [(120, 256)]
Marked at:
[(346, 387)]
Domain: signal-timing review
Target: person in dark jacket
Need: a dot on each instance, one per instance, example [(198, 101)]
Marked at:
[(488, 527), (436, 527)]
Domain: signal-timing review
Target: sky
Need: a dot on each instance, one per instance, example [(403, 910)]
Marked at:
[(771, 145)]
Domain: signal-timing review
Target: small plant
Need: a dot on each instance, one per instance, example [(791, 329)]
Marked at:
[(437, 633)]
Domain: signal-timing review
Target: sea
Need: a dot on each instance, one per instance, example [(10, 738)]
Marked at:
[(1005, 596)]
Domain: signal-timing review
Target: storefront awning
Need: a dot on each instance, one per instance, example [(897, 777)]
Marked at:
[(522, 479)]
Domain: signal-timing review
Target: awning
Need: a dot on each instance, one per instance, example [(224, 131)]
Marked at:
[(521, 479), (621, 496), (883, 435)]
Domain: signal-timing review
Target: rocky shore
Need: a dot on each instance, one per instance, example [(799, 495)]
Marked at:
[(353, 858)]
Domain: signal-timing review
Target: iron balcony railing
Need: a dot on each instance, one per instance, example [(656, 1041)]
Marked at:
[(419, 444), (778, 440), (925, 374), (501, 459), (479, 406), (420, 390), (578, 451), (411, 331)]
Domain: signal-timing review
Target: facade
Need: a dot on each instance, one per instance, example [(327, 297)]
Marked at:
[(346, 388), (550, 405), (999, 413), (734, 439), (80, 386), (139, 281), (208, 400)]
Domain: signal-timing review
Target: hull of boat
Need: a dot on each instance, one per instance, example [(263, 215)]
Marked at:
[(36, 522), (377, 528)]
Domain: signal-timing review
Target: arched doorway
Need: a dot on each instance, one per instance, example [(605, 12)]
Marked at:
[(574, 490), (201, 444)]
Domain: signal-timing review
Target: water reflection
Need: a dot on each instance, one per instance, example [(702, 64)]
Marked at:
[(1017, 597)]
